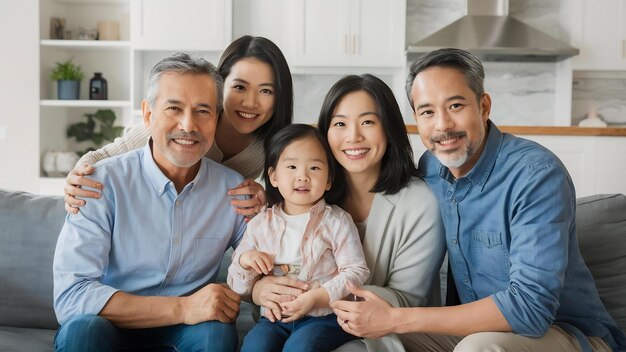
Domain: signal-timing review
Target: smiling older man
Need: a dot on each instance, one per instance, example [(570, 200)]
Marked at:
[(134, 269)]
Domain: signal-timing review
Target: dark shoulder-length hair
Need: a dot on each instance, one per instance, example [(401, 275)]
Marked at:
[(397, 165), (276, 144), (266, 51)]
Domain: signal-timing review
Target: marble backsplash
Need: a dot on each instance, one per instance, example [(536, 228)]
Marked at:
[(606, 95), (522, 94), (310, 90)]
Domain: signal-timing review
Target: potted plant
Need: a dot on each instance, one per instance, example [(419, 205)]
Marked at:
[(98, 129), (68, 76)]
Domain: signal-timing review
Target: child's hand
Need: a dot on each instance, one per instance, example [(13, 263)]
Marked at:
[(272, 314), (299, 307), (304, 303), (260, 262)]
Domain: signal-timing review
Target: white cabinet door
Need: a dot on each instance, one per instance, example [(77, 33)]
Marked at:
[(378, 32), (322, 33), (349, 33), (272, 19), (599, 31), (594, 162), (188, 25), (610, 173), (577, 154)]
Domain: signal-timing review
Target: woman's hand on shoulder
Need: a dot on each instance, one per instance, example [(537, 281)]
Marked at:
[(254, 201), (74, 182)]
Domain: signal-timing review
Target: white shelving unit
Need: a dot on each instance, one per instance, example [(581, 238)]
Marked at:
[(85, 44), (87, 103), (149, 31), (112, 58)]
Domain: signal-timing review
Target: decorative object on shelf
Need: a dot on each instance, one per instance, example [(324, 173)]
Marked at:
[(68, 76), (57, 163), (57, 28), (48, 163), (98, 129), (98, 87), (65, 162), (87, 34), (593, 119), (108, 30)]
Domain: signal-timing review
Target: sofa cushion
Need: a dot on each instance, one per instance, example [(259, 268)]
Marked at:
[(30, 340), (30, 225), (601, 225)]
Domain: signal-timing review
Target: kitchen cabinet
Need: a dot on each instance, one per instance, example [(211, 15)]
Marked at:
[(598, 29), (270, 19), (187, 25), (590, 161), (364, 33)]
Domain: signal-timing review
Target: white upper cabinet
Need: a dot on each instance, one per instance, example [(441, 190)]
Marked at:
[(349, 33), (188, 25), (598, 29)]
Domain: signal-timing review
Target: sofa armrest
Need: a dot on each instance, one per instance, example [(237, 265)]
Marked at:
[(601, 233)]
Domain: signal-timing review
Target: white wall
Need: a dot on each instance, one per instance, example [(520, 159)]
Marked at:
[(19, 94)]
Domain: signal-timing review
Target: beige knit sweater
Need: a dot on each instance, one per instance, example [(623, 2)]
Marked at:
[(249, 162)]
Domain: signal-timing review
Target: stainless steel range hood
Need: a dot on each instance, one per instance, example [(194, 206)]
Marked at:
[(489, 33)]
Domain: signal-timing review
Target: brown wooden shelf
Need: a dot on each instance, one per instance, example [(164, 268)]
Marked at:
[(553, 130)]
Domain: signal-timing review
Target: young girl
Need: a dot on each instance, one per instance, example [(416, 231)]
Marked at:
[(300, 235)]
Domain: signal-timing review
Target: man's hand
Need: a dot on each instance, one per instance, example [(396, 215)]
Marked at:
[(270, 291), (212, 302), (73, 187), (260, 262), (370, 318)]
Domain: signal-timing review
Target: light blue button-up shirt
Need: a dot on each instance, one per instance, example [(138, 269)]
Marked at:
[(142, 237), (511, 234)]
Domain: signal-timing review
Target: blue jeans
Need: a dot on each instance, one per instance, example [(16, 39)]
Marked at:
[(94, 333), (306, 334)]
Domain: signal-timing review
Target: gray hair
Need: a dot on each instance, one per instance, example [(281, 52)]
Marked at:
[(183, 63), (459, 59)]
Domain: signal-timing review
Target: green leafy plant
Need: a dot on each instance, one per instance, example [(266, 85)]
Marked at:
[(67, 71), (98, 129)]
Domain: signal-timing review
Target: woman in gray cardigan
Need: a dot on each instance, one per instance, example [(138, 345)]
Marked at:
[(395, 211)]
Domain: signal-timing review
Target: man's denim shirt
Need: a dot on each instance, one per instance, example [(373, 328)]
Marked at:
[(511, 234)]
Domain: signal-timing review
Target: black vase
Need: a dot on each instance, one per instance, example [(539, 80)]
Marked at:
[(98, 87), (68, 90)]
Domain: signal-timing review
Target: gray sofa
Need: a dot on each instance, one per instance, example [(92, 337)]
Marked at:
[(30, 224)]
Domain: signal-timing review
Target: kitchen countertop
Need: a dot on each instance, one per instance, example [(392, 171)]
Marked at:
[(554, 130)]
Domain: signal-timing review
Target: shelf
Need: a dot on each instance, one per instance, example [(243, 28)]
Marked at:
[(85, 44), (86, 103), (91, 2)]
